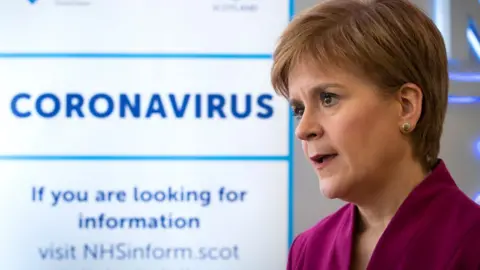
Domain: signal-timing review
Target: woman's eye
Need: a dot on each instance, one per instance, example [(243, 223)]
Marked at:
[(329, 99), (298, 112)]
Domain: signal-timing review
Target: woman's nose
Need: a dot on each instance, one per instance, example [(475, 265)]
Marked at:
[(309, 127)]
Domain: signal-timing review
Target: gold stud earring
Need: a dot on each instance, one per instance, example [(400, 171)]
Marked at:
[(406, 127)]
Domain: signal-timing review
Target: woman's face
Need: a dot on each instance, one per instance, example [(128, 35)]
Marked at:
[(349, 132)]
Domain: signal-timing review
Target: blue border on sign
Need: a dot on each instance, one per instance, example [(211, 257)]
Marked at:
[(219, 56), (176, 56), (291, 156), (140, 158)]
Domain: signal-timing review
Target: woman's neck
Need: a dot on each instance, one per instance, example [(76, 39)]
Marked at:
[(378, 208)]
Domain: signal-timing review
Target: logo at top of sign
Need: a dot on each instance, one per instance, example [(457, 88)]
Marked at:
[(66, 2), (235, 6)]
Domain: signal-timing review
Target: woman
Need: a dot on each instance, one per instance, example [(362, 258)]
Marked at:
[(368, 82)]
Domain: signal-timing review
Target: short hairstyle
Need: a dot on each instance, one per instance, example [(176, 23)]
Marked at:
[(389, 42)]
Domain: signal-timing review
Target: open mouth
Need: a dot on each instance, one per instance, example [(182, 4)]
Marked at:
[(322, 159)]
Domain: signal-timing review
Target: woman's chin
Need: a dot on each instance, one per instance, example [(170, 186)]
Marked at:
[(331, 191)]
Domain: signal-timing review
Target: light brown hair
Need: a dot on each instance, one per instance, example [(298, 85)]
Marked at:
[(389, 42)]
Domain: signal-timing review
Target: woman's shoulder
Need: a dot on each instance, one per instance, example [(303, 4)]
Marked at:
[(466, 250), (321, 235)]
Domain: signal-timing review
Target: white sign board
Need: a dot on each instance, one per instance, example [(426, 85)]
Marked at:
[(143, 135)]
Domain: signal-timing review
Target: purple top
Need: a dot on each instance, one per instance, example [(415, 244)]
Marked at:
[(436, 227)]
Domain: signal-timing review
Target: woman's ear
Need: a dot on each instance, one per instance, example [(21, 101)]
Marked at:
[(410, 97)]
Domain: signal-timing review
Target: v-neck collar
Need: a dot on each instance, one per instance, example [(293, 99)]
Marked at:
[(404, 225)]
